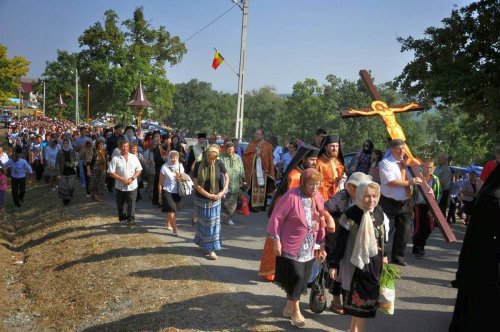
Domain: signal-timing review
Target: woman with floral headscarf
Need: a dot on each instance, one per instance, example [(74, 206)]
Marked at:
[(296, 225), (359, 254), (210, 180)]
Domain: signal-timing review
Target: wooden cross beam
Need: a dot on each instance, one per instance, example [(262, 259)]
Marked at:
[(378, 107)]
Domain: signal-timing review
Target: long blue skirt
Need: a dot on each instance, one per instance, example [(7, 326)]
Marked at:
[(208, 225)]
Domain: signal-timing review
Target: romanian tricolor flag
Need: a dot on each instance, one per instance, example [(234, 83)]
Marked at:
[(218, 59)]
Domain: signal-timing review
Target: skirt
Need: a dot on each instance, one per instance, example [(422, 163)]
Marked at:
[(67, 186), (292, 276), (208, 225), (98, 183), (170, 202), (361, 300)]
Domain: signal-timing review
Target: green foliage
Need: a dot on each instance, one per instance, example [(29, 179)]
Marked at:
[(459, 63), (113, 61), (390, 272), (199, 108), (60, 79), (452, 131), (10, 72), (262, 110)]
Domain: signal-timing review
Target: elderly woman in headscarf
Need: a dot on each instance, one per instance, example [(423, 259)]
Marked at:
[(296, 225), (168, 188), (359, 255), (66, 162), (210, 180), (96, 170)]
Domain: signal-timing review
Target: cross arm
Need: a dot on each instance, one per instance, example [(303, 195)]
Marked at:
[(395, 108), (346, 114)]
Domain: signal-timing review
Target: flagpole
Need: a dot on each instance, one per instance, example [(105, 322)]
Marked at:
[(241, 75)]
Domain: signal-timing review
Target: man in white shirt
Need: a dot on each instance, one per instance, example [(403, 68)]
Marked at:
[(125, 169), (4, 158), (396, 198)]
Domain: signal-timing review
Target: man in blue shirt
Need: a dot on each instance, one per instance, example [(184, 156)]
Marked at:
[(18, 168)]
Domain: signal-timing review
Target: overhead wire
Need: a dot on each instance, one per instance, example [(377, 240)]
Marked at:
[(206, 26)]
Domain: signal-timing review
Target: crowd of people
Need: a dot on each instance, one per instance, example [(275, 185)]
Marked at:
[(318, 208)]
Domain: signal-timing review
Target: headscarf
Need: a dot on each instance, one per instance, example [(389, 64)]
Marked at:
[(205, 168), (305, 176), (70, 146), (365, 245), (169, 161)]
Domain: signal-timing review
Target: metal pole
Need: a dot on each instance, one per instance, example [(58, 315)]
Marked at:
[(44, 98), (241, 76), (20, 100), (77, 111), (88, 104)]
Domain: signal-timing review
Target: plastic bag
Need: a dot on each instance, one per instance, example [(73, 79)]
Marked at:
[(245, 208), (387, 289)]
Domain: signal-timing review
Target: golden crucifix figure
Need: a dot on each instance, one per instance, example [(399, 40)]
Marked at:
[(387, 113)]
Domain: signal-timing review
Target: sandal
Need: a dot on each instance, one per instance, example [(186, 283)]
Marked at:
[(299, 321), (337, 308)]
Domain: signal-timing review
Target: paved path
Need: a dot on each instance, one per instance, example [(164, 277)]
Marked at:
[(424, 298)]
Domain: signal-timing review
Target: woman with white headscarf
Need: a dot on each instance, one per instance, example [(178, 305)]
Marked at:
[(168, 188), (359, 255), (66, 162)]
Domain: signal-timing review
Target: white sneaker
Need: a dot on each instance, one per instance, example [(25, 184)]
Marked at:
[(230, 222)]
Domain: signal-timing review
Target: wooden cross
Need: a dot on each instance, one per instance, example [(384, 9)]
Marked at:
[(378, 107)]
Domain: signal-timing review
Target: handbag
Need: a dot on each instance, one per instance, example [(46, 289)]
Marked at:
[(185, 185), (317, 298)]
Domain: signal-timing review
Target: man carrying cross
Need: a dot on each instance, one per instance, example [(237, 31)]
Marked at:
[(395, 199)]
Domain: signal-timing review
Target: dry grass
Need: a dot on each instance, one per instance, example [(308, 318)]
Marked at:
[(76, 269)]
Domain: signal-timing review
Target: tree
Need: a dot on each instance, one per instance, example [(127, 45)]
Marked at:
[(452, 132), (113, 61), (303, 111), (60, 79), (199, 108), (11, 70), (459, 64), (262, 109)]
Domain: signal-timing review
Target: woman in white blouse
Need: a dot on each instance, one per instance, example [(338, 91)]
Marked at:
[(168, 187)]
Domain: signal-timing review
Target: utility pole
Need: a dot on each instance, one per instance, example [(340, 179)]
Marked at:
[(88, 104), (44, 98), (77, 112), (241, 75)]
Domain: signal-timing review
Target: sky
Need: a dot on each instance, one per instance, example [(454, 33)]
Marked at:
[(287, 40)]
